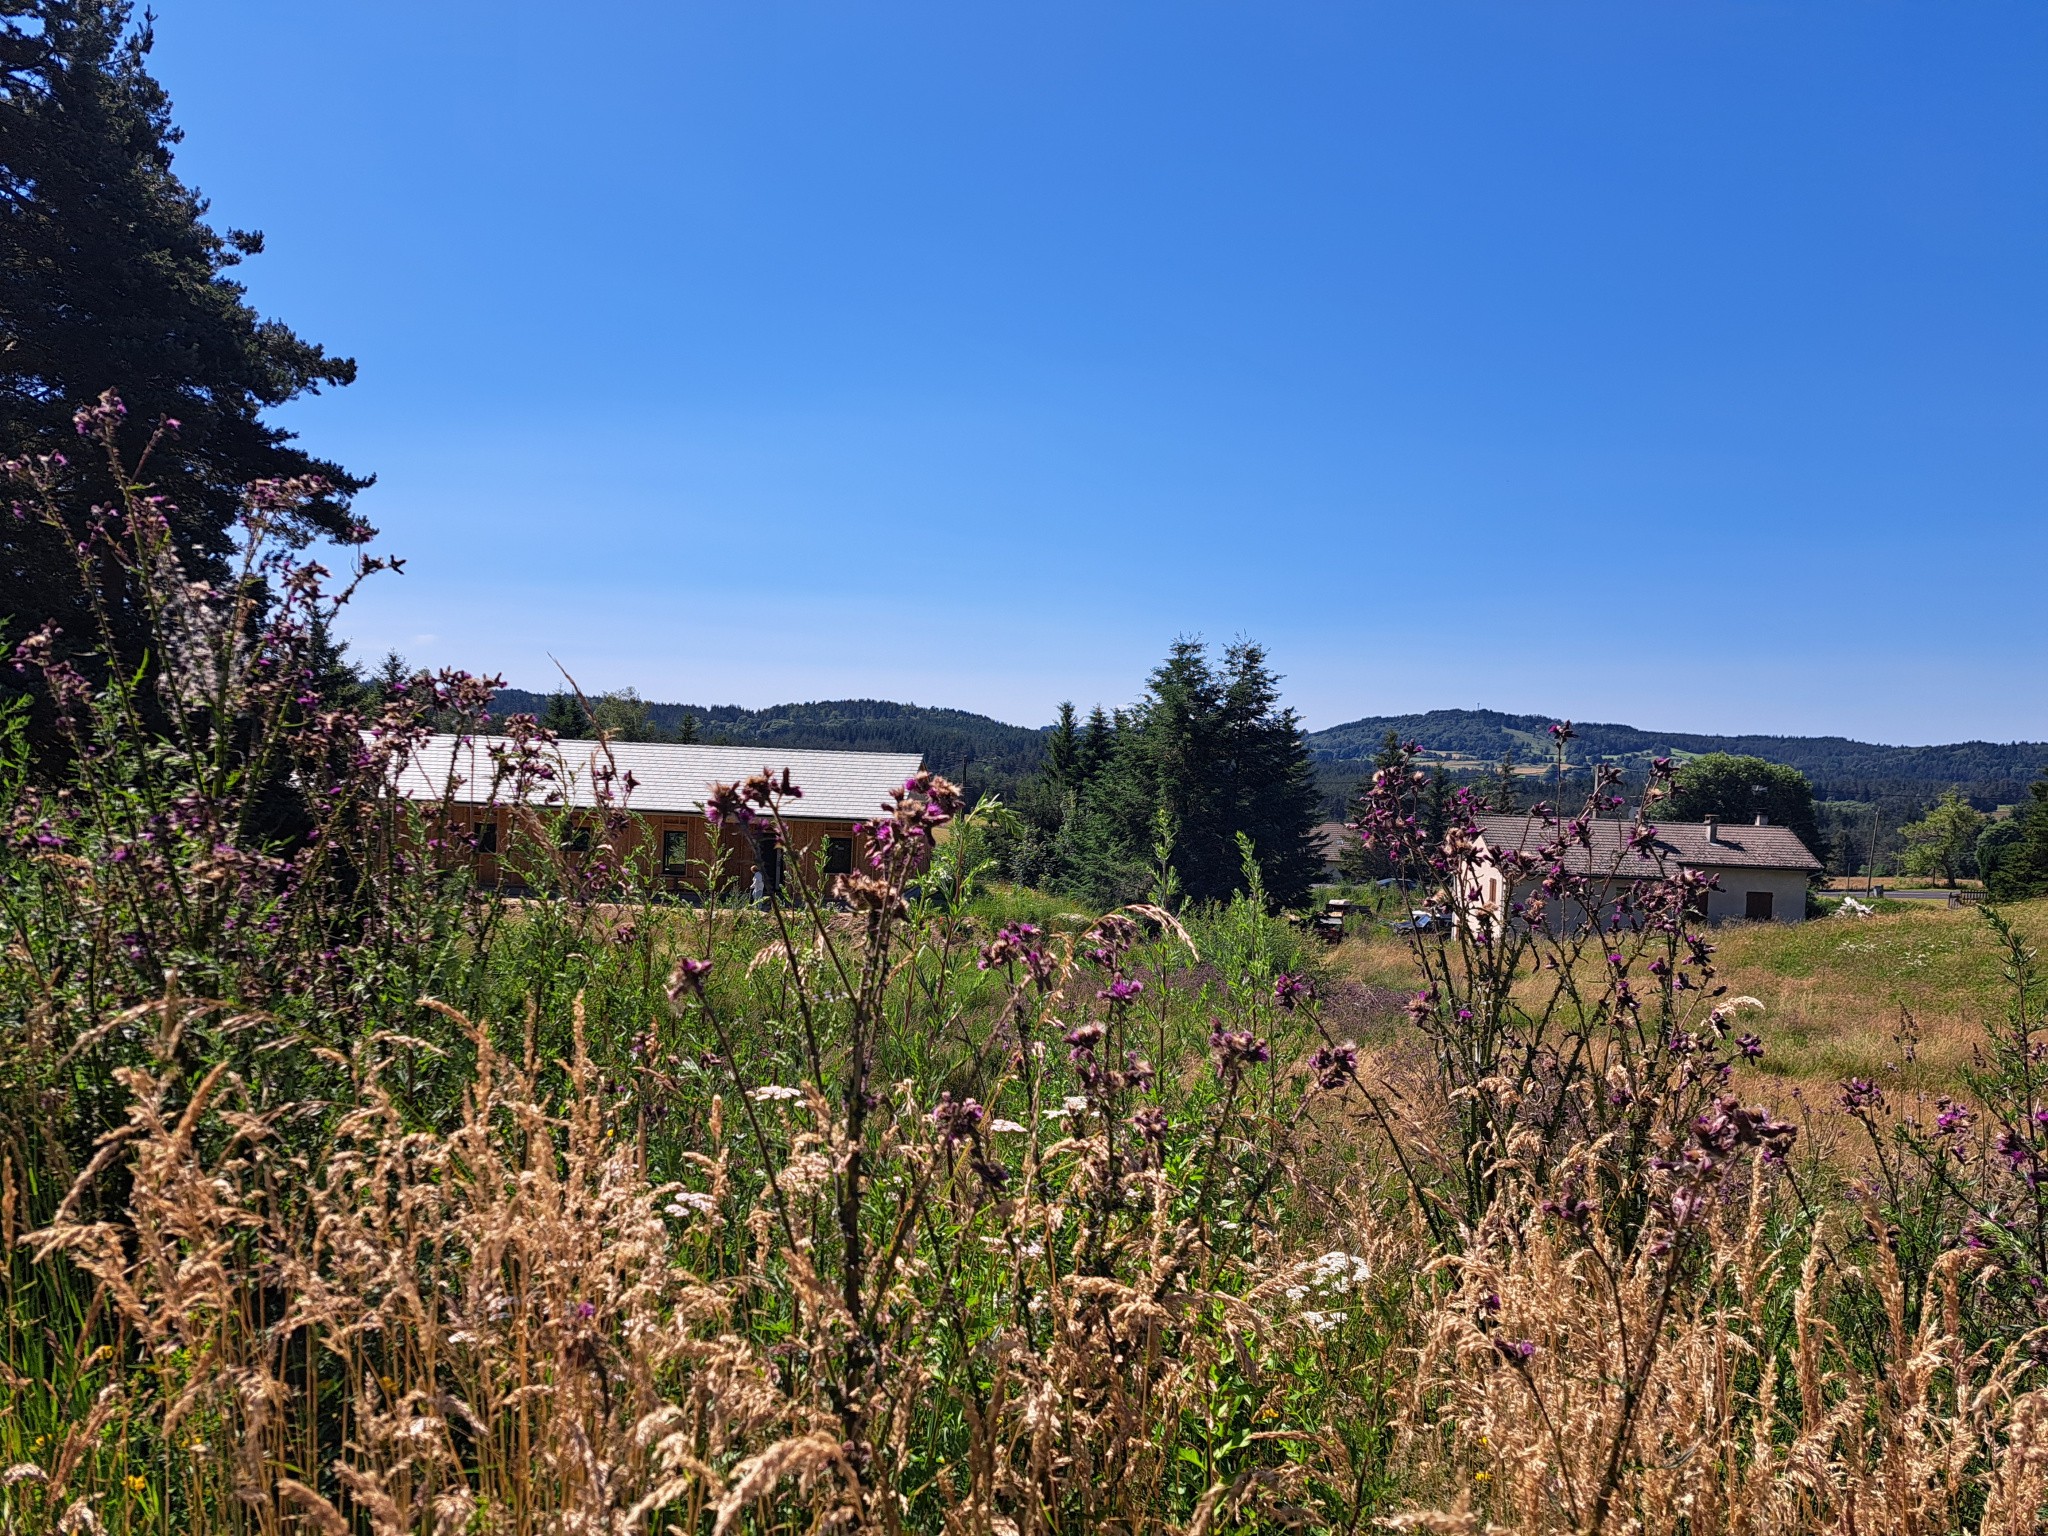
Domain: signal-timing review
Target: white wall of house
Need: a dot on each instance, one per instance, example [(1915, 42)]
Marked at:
[(1787, 889)]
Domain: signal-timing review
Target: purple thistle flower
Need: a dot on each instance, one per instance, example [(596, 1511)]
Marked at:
[(1860, 1095), (1237, 1049), (1083, 1038), (957, 1121), (689, 976), (1334, 1064)]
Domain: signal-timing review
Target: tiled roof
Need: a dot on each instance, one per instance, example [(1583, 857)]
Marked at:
[(1682, 842), (670, 777)]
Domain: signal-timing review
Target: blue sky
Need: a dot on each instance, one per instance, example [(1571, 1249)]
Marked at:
[(1681, 364)]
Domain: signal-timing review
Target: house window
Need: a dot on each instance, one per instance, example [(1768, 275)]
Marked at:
[(1756, 905), (838, 855), (575, 839), (486, 835), (675, 851)]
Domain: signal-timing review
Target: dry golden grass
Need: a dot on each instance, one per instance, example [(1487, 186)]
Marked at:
[(1835, 993), (1567, 1387)]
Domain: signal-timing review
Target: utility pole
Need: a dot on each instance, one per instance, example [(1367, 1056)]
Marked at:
[(1870, 869)]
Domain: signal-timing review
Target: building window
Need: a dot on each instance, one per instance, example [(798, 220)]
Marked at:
[(486, 834), (838, 855), (1756, 906), (675, 851), (575, 839)]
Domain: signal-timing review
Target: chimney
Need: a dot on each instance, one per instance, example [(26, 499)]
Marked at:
[(1762, 820), (1713, 829)]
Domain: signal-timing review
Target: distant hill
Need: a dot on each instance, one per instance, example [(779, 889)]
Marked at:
[(978, 751), (1841, 769), (989, 754)]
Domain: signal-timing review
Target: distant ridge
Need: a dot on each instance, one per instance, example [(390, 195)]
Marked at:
[(990, 753), (956, 742), (1841, 769)]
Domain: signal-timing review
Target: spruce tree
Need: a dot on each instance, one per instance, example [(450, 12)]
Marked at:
[(1215, 750), (1063, 750), (1501, 796), (1358, 862), (2021, 868), (566, 717), (1097, 743), (111, 279)]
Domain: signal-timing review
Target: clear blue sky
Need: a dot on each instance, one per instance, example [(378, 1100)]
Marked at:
[(1683, 364)]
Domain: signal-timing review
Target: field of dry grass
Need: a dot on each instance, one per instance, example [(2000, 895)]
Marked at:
[(1835, 992)]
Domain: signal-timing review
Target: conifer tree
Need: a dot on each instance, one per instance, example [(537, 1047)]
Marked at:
[(111, 279), (566, 716), (1063, 750), (1501, 796), (1215, 750), (1358, 862), (2019, 868)]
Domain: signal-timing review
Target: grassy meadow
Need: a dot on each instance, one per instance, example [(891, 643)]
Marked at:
[(340, 1192), (1898, 997)]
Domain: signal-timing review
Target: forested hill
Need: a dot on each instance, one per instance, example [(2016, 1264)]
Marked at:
[(996, 755), (1839, 768), (953, 741)]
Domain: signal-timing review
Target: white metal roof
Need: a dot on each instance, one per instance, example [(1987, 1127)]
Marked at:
[(668, 776)]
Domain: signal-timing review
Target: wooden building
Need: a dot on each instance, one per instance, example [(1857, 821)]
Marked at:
[(581, 803)]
